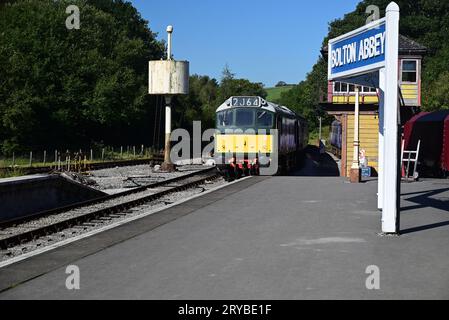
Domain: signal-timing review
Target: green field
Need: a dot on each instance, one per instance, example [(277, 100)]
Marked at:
[(274, 94)]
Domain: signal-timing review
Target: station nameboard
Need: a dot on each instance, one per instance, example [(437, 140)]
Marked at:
[(357, 52)]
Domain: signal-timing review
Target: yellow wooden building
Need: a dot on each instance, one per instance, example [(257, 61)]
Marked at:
[(341, 100)]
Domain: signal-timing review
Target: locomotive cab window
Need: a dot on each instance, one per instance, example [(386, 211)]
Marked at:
[(409, 71), (225, 118), (264, 119), (244, 117)]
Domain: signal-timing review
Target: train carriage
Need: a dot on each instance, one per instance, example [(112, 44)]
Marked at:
[(251, 133)]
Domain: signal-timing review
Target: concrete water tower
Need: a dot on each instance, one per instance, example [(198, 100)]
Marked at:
[(168, 78)]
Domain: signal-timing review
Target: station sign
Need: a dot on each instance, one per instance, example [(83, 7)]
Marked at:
[(358, 52)]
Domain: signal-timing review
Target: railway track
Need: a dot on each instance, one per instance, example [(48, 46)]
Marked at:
[(19, 231), (88, 167)]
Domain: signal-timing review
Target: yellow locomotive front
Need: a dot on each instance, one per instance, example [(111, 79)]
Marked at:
[(255, 136), (244, 141)]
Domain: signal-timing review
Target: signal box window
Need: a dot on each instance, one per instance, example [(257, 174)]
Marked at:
[(409, 71), (342, 87), (337, 86)]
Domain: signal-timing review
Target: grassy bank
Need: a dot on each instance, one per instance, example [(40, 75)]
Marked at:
[(274, 94)]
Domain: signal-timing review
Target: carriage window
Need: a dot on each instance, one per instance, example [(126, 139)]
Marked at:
[(244, 117), (409, 70), (264, 119), (225, 118), (344, 87)]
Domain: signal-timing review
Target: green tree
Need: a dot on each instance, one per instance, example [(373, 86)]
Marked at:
[(438, 93), (425, 21), (61, 87), (199, 104), (230, 86)]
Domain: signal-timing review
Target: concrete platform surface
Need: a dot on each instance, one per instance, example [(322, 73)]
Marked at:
[(274, 238)]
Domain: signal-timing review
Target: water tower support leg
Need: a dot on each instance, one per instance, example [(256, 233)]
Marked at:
[(167, 165)]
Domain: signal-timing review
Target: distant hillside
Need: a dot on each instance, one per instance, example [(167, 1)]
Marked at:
[(274, 94)]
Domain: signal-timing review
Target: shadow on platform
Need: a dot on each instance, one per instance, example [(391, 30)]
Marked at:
[(425, 199), (317, 164)]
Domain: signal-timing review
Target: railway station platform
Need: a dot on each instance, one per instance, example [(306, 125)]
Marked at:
[(25, 195), (283, 237)]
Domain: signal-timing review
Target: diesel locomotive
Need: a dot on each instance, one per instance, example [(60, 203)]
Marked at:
[(257, 137)]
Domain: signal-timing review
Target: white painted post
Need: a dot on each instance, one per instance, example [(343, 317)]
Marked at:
[(169, 32), (380, 160), (167, 129), (355, 159), (355, 168), (390, 212)]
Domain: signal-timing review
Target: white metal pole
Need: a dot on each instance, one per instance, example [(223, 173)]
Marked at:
[(169, 32), (380, 160), (355, 162), (167, 162), (390, 214), (167, 129)]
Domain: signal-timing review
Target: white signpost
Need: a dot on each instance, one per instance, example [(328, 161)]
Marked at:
[(369, 56), (391, 184)]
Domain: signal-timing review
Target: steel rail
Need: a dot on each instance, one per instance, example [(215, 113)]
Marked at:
[(70, 222), (46, 213)]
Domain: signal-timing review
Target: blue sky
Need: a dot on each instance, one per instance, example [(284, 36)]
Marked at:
[(261, 40)]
